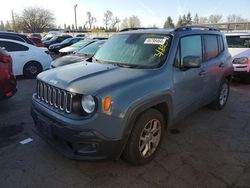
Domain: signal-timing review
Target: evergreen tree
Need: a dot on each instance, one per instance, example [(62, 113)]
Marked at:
[(196, 19), (189, 19), (168, 23), (179, 22)]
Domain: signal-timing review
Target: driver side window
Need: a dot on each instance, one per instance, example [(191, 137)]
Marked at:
[(188, 46)]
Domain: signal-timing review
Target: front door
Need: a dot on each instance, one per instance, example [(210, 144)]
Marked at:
[(188, 84)]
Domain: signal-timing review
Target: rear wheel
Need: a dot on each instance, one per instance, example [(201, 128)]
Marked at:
[(145, 138), (32, 69), (222, 97)]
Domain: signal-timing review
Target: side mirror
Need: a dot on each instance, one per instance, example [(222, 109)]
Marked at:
[(191, 62)]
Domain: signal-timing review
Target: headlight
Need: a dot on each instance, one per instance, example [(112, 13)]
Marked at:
[(88, 103), (241, 60)]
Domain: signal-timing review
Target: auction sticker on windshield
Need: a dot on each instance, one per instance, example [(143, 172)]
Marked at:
[(156, 41)]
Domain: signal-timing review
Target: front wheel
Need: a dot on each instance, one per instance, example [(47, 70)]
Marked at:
[(145, 138), (220, 102)]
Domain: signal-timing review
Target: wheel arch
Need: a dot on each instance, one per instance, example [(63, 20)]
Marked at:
[(161, 103)]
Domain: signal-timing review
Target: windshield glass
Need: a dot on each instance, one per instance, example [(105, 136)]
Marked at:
[(81, 43), (66, 41), (146, 50), (238, 41), (91, 49)]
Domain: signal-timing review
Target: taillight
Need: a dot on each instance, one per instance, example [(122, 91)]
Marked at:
[(6, 59)]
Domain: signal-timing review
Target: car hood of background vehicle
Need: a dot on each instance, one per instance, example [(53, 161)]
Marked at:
[(91, 78), (55, 45), (239, 52), (67, 60), (68, 49)]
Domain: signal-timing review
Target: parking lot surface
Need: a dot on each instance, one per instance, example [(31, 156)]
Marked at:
[(211, 149)]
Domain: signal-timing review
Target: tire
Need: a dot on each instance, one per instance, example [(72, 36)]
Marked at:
[(32, 69), (148, 132), (220, 102)]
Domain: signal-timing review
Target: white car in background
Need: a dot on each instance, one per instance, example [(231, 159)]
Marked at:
[(239, 47), (28, 60)]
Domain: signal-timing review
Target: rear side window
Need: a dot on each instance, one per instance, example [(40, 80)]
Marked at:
[(12, 47), (190, 46), (12, 38), (211, 48), (221, 43)]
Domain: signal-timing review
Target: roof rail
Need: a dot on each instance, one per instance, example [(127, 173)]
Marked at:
[(196, 27), (137, 28)]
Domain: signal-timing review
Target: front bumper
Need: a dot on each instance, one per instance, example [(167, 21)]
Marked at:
[(241, 68), (75, 142)]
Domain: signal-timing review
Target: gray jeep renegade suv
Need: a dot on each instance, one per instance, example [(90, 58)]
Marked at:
[(139, 83)]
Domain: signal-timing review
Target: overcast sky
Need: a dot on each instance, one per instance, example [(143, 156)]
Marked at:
[(149, 12)]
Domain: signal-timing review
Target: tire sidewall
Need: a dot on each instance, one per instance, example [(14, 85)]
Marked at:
[(224, 81), (29, 74), (136, 133)]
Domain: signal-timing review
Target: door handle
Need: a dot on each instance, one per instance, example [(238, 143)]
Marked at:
[(202, 73), (222, 64)]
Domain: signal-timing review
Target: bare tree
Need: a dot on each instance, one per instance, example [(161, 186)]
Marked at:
[(235, 18), (2, 28), (215, 18), (203, 20), (90, 20), (134, 21), (35, 19), (169, 23), (115, 21), (125, 23), (131, 22), (7, 26), (107, 19)]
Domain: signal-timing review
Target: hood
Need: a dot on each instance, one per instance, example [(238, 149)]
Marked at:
[(65, 60), (91, 78), (239, 52), (68, 49), (55, 45)]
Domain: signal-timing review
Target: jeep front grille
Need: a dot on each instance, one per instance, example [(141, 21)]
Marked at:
[(54, 97)]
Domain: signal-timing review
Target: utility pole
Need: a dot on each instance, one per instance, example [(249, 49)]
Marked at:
[(75, 16), (13, 21)]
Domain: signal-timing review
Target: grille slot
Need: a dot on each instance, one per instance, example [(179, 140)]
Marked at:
[(55, 97)]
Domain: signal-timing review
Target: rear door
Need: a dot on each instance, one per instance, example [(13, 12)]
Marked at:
[(18, 53), (212, 66)]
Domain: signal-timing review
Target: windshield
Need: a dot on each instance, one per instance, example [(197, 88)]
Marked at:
[(54, 38), (238, 41), (146, 50), (91, 49), (81, 43), (66, 41)]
